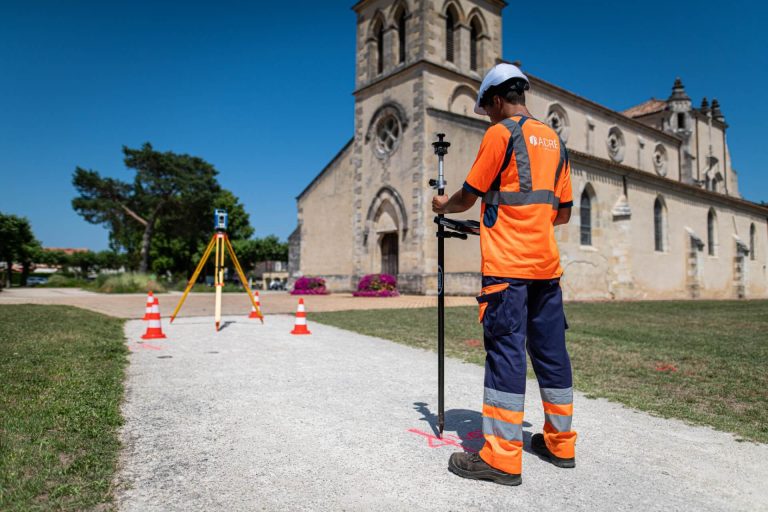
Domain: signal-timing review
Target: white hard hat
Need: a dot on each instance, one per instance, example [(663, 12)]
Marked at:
[(498, 74)]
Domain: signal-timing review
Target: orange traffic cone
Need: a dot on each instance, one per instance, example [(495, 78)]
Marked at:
[(300, 327), (148, 309), (255, 313), (154, 329)]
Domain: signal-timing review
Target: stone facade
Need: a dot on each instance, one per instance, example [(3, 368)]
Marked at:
[(657, 212)]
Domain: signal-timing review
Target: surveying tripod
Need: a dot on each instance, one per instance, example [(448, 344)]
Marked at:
[(456, 229), (219, 242)]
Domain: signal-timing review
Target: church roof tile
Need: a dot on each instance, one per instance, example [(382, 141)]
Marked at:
[(647, 107)]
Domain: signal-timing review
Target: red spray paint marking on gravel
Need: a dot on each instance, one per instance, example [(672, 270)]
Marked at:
[(448, 439)]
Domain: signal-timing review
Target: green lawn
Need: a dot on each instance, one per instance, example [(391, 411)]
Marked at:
[(705, 362), (61, 374)]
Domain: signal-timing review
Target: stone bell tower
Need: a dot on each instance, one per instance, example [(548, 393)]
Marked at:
[(419, 64)]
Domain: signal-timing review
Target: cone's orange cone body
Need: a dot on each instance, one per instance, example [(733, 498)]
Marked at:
[(154, 329), (148, 309), (254, 312), (300, 326)]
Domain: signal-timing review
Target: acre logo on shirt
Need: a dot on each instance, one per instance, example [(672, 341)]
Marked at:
[(549, 144)]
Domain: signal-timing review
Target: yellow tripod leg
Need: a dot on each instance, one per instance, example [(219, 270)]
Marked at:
[(192, 280), (241, 275), (219, 277)]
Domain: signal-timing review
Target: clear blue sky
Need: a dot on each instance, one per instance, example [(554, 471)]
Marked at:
[(264, 92)]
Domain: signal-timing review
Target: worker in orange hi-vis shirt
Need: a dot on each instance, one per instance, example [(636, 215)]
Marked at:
[(522, 175)]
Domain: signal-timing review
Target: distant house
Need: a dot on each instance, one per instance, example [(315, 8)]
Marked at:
[(268, 274)]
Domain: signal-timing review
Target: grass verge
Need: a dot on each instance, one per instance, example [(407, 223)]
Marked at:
[(61, 382), (700, 361)]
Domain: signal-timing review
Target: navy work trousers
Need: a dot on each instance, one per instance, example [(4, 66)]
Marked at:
[(520, 314)]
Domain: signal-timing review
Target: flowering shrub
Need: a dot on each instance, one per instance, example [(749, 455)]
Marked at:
[(377, 285), (309, 286)]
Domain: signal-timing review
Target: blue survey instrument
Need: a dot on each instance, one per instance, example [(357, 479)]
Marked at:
[(220, 219)]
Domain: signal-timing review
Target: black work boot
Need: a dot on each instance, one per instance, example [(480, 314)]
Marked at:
[(470, 465), (539, 447)]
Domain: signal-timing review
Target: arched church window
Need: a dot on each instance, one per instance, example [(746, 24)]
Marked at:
[(450, 33), (387, 134), (658, 225), (752, 233), (585, 211), (711, 232), (401, 37), (474, 37)]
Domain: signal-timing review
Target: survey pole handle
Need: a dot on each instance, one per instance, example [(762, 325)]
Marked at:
[(441, 149)]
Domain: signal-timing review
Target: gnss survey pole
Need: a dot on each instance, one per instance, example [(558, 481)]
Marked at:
[(441, 149), (446, 228)]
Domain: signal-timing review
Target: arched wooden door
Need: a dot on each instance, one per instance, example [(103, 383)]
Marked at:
[(389, 254)]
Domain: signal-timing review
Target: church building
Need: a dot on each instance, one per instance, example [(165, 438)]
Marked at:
[(657, 212)]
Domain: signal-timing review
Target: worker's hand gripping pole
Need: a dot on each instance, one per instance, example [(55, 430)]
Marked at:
[(441, 148)]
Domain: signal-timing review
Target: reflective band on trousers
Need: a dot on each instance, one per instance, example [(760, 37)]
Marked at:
[(560, 423), (502, 429), (556, 396), (496, 197), (508, 401)]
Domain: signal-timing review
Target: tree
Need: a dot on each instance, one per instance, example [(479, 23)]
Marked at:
[(171, 197), (179, 243), (84, 262), (253, 251), (109, 260), (17, 244)]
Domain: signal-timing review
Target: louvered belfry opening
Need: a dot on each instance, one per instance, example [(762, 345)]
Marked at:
[(473, 43), (380, 48), (401, 34), (450, 23)]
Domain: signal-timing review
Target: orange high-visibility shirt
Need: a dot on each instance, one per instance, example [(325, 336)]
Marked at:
[(523, 176)]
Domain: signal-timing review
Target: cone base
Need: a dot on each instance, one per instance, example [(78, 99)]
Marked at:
[(252, 315), (153, 336), (305, 331)]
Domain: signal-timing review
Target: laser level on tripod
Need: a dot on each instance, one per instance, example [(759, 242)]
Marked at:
[(218, 245)]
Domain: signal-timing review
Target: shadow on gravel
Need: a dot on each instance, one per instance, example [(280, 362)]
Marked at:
[(467, 424)]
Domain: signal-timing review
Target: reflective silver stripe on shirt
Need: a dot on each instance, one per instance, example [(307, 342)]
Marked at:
[(508, 401), (556, 396), (502, 429), (521, 154), (560, 423), (561, 164), (519, 198)]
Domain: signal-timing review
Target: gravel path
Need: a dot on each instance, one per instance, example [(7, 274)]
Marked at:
[(252, 418)]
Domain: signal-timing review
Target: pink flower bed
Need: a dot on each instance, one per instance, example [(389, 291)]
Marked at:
[(309, 286), (377, 285)]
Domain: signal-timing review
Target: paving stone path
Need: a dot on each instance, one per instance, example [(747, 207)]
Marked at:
[(131, 305)]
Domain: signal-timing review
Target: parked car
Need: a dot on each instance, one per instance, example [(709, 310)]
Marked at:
[(36, 280)]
